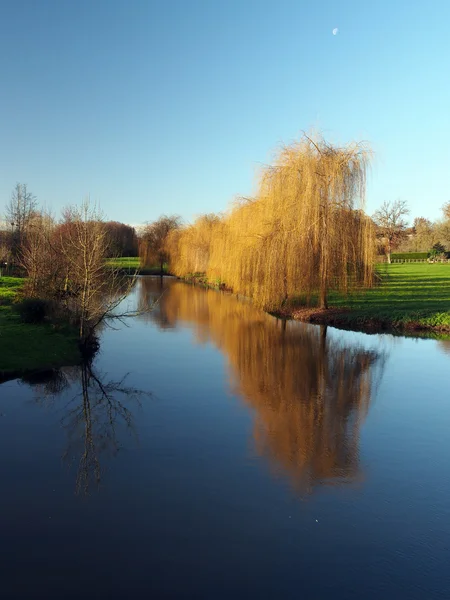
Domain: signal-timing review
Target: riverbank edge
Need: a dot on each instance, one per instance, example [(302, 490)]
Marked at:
[(62, 337), (354, 320), (11, 374), (140, 271), (46, 364), (341, 318)]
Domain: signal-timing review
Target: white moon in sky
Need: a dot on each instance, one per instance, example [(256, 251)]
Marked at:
[(335, 30)]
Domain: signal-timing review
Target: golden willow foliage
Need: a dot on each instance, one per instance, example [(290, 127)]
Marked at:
[(189, 248), (304, 233), (310, 392)]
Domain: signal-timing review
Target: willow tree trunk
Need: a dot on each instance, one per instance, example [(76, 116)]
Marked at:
[(323, 274), (323, 297)]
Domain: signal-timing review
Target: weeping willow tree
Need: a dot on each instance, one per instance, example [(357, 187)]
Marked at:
[(189, 248), (304, 233)]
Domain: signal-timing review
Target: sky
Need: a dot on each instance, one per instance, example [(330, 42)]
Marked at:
[(174, 106)]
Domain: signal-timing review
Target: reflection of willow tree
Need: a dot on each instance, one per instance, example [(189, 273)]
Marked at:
[(444, 345), (311, 393), (93, 419)]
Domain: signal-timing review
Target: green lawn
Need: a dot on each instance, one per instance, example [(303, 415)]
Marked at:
[(25, 347), (407, 293), (131, 264), (125, 262)]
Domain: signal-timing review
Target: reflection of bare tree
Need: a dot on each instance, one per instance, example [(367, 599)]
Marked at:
[(93, 417), (311, 392)]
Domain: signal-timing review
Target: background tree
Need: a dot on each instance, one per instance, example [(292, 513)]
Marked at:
[(153, 243), (420, 237), (39, 257), (391, 225), (19, 214), (442, 227), (5, 248), (423, 230), (122, 239)]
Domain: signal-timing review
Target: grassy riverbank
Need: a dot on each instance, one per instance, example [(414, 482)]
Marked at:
[(129, 265), (406, 297), (25, 347)]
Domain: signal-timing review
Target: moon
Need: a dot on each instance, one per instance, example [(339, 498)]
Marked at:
[(335, 31)]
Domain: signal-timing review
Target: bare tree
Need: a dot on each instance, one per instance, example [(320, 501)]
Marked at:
[(94, 290), (391, 224), (39, 257), (154, 238), (19, 213)]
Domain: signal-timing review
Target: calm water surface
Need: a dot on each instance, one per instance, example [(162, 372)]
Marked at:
[(212, 451)]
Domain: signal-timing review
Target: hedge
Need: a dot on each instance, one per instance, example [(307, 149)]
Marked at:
[(409, 255)]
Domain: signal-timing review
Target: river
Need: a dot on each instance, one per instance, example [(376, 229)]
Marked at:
[(213, 451)]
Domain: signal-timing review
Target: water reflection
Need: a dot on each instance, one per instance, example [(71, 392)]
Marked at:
[(310, 392), (444, 346), (95, 418)]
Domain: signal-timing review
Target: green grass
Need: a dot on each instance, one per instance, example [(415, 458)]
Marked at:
[(9, 287), (414, 293), (131, 264), (125, 262), (25, 347)]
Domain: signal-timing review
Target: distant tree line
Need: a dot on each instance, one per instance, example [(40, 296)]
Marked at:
[(122, 239), (23, 215)]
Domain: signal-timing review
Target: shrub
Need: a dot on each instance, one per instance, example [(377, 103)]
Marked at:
[(438, 248), (32, 310)]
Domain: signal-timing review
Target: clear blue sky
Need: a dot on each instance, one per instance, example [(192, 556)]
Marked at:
[(170, 106)]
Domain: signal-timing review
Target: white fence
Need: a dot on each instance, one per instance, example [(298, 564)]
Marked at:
[(418, 260)]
